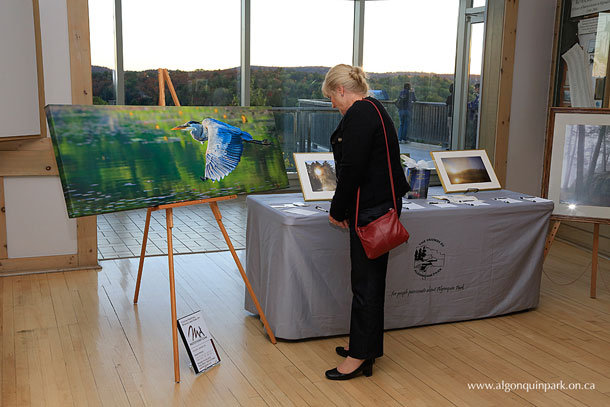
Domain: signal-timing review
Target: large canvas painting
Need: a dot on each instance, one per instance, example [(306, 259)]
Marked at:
[(577, 174), (115, 158)]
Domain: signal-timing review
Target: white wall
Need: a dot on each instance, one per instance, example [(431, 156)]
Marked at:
[(36, 218), (18, 80), (55, 51), (531, 81), (37, 223)]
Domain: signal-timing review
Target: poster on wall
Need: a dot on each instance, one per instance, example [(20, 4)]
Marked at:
[(584, 7), (116, 158)]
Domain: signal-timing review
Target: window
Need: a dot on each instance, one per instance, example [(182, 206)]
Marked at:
[(293, 43), (468, 82), (101, 32), (473, 105), (198, 42), (406, 46)]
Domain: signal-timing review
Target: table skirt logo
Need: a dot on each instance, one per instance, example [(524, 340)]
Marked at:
[(429, 257)]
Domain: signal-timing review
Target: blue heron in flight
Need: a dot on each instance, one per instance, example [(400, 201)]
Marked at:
[(224, 145)]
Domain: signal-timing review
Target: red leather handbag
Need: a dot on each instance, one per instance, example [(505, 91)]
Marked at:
[(386, 232)]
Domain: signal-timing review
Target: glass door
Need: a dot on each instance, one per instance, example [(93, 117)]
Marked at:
[(464, 125)]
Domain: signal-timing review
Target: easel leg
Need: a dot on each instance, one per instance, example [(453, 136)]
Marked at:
[(594, 260), (218, 217), (142, 254), (172, 290), (161, 87), (551, 237)]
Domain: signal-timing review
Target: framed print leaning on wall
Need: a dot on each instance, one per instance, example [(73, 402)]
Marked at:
[(577, 163)]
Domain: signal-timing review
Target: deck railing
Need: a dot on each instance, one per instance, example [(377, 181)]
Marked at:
[(308, 127)]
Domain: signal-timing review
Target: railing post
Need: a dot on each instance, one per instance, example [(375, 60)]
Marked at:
[(295, 130)]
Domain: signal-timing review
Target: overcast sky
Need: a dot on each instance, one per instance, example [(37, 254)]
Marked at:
[(400, 35)]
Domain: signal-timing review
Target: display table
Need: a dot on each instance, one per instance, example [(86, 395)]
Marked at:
[(460, 263)]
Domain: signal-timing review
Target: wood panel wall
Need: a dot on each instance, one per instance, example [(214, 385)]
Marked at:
[(509, 35), (497, 86), (35, 157), (490, 89)]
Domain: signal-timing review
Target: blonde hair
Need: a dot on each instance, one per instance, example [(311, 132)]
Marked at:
[(350, 77)]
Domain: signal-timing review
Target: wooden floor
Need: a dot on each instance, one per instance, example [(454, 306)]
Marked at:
[(75, 338)]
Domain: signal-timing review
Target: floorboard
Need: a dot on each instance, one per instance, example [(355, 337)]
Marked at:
[(77, 339)]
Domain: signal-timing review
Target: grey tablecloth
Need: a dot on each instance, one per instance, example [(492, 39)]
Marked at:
[(460, 263)]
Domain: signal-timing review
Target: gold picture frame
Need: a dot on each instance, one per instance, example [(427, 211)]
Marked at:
[(317, 175), (465, 170)]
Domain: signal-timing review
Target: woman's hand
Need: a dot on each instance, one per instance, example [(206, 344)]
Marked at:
[(342, 224)]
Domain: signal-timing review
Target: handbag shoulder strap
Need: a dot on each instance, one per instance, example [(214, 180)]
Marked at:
[(387, 149)]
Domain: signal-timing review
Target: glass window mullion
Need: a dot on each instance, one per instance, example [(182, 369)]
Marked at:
[(119, 70), (245, 70)]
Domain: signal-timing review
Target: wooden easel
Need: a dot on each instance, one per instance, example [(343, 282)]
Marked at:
[(163, 78), (169, 220), (594, 260)]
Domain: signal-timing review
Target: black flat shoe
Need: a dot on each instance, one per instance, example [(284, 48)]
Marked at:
[(366, 368)]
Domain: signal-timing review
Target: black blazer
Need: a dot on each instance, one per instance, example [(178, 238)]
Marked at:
[(360, 160)]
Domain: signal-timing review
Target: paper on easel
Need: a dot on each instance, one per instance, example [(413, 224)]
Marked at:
[(198, 342)]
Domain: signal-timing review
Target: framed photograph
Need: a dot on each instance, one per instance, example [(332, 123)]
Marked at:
[(461, 171), (577, 163), (317, 175)]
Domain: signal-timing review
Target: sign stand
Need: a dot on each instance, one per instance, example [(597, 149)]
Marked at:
[(594, 260), (169, 220), (198, 342)]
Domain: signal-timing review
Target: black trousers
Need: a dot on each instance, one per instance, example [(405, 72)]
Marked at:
[(368, 288)]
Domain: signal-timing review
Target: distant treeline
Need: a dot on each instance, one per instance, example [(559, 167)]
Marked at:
[(270, 86)]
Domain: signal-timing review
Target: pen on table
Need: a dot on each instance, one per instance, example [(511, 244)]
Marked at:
[(321, 209), (527, 197)]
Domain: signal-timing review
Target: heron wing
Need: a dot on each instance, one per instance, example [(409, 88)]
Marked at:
[(231, 129), (223, 152)]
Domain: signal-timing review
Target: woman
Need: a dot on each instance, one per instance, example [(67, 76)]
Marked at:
[(359, 149)]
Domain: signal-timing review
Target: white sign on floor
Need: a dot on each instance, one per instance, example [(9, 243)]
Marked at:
[(198, 342)]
